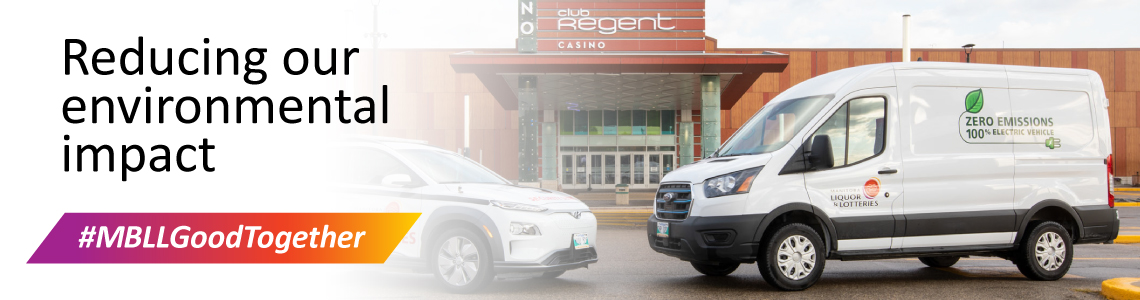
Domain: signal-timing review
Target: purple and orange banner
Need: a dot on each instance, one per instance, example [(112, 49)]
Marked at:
[(224, 238)]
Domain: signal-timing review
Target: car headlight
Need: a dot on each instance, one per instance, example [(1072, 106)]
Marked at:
[(517, 206), (519, 228), (738, 182)]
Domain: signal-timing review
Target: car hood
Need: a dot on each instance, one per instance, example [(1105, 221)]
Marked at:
[(514, 193), (707, 168)]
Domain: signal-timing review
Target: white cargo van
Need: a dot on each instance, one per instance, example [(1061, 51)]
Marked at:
[(930, 160)]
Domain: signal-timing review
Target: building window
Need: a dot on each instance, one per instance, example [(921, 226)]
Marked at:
[(639, 122), (668, 122), (653, 122), (595, 122), (581, 122), (609, 122), (566, 122), (625, 122)]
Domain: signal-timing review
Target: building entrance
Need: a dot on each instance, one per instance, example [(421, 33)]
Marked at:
[(602, 171)]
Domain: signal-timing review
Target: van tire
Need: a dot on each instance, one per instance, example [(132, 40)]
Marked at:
[(939, 261), (712, 269), (466, 240), (804, 244), (1047, 237)]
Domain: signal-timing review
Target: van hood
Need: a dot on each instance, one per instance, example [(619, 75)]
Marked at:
[(511, 193), (710, 167)]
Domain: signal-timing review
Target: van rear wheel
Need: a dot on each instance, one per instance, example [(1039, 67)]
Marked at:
[(939, 261), (712, 269), (1045, 253), (792, 258)]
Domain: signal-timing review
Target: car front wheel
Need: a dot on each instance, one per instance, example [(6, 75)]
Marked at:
[(461, 261)]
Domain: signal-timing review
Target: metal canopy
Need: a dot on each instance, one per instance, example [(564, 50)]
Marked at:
[(617, 91), (618, 81)]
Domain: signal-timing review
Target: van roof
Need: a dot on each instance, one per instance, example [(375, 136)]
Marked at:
[(837, 82)]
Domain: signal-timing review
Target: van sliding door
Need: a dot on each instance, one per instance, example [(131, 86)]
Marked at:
[(958, 163)]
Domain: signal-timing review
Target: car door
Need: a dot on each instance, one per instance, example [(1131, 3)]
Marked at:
[(858, 193)]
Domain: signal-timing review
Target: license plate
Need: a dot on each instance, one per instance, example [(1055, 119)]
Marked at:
[(663, 229), (581, 241)]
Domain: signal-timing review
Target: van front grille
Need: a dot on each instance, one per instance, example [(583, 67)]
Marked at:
[(677, 206)]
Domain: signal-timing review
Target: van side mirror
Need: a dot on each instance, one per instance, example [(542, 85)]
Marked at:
[(820, 155), (396, 180)]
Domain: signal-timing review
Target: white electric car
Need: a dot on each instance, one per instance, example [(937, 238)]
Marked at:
[(474, 225), (922, 159)]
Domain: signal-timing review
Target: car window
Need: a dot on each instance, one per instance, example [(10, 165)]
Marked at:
[(448, 167), (857, 130), (773, 126), (367, 166)]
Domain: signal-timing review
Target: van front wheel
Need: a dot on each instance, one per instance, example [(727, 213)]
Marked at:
[(1045, 253), (792, 258)]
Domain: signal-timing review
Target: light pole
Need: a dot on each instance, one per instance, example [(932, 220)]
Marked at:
[(968, 48)]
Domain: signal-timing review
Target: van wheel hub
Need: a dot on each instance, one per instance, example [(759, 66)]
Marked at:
[(1050, 251), (796, 257)]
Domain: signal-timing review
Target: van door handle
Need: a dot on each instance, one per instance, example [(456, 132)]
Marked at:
[(888, 171)]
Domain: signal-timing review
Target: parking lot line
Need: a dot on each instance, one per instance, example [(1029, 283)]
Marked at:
[(991, 272)]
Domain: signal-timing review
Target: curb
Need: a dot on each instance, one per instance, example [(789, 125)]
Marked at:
[(1120, 288), (1127, 239), (1128, 204), (622, 216), (1127, 189)]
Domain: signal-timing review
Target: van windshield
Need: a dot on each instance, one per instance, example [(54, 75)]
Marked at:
[(447, 167), (773, 126)]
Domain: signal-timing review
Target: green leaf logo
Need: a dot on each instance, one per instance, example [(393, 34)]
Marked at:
[(974, 101)]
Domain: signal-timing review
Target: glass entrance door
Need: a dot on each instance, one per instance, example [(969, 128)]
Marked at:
[(567, 170), (626, 168), (609, 171), (602, 171), (639, 170), (580, 170), (595, 170)]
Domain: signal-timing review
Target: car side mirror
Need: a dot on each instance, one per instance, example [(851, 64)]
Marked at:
[(820, 155), (396, 180)]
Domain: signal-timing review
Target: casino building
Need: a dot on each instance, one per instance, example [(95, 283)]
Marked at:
[(624, 91)]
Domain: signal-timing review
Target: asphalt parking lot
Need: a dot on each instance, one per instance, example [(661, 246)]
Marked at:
[(628, 268)]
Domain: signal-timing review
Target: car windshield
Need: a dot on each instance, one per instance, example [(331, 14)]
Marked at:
[(773, 127), (447, 167)]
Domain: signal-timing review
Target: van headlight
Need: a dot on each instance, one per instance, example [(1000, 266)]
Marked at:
[(520, 228), (517, 206), (738, 182)]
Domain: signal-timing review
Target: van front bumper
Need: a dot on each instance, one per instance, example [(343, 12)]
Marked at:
[(708, 239)]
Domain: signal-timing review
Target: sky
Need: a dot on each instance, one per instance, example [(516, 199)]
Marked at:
[(792, 24)]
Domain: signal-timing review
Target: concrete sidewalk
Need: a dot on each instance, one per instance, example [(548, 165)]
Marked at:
[(622, 216)]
